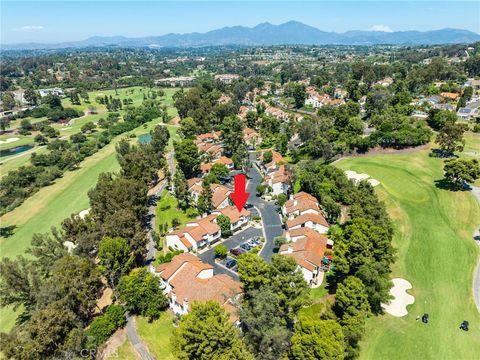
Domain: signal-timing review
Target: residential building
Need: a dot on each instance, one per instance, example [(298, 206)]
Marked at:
[(179, 81), (308, 248), (313, 221), (238, 219), (299, 204), (449, 96), (52, 91), (251, 137), (195, 235), (187, 279), (227, 78), (279, 181), (220, 193)]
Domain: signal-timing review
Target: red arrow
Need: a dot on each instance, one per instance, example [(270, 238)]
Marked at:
[(239, 196)]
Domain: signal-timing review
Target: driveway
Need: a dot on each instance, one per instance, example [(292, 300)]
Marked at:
[(232, 242)]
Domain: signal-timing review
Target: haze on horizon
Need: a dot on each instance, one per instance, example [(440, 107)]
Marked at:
[(53, 22)]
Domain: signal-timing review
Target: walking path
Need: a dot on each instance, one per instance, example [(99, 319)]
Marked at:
[(133, 337)]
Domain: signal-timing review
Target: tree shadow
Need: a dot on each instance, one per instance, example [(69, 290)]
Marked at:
[(441, 154), (7, 231), (444, 184)]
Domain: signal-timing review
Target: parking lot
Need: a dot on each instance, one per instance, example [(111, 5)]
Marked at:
[(231, 243)]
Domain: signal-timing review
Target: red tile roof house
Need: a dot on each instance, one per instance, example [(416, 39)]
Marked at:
[(187, 279), (272, 166), (220, 193), (279, 181), (238, 220), (205, 231), (206, 167), (313, 221), (251, 138), (299, 204), (195, 235), (308, 248)]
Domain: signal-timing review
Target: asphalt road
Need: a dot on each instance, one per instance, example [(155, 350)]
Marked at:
[(272, 223), (132, 335)]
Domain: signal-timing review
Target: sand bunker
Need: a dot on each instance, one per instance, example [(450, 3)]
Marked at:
[(9, 140), (401, 299), (83, 213), (357, 178)]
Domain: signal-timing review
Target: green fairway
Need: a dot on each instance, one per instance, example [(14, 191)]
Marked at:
[(436, 253), (157, 335)]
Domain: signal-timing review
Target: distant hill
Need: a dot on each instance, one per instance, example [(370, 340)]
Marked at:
[(292, 32)]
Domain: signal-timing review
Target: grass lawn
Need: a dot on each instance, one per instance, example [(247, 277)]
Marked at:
[(124, 352), (157, 335), (167, 210), (22, 140), (436, 253)]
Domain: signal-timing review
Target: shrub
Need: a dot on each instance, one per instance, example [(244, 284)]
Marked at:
[(221, 251), (105, 325)]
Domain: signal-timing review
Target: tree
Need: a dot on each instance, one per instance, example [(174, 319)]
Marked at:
[(317, 339), (30, 96), (267, 157), (263, 325), (459, 172), (204, 203), (225, 225), (105, 325), (180, 187), (217, 171), (232, 134), (352, 308), (8, 101), (26, 125), (40, 139), (205, 333), (251, 119), (52, 101), (297, 92), (188, 128), (437, 119), (160, 137), (74, 281), (187, 156), (115, 259), (450, 138), (221, 251), (88, 127), (140, 292)]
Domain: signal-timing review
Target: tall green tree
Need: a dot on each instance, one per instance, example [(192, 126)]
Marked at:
[(180, 187), (205, 333), (204, 203), (450, 138), (316, 339), (460, 171), (232, 134), (140, 292), (188, 158), (115, 259)]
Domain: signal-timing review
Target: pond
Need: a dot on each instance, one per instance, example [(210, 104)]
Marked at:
[(144, 138), (15, 150)]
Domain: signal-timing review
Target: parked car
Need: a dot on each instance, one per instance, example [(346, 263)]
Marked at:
[(236, 251), (231, 263), (245, 247), (248, 206), (257, 241), (252, 243)]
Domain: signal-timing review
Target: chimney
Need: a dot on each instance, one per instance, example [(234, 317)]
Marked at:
[(185, 305)]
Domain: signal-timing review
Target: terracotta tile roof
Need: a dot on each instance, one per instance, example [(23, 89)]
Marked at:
[(450, 95), (220, 193), (168, 269), (233, 214), (206, 167), (224, 160), (249, 133), (211, 136), (301, 202), (308, 251), (186, 284), (302, 219)]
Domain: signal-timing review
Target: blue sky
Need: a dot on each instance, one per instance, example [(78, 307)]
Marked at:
[(57, 21)]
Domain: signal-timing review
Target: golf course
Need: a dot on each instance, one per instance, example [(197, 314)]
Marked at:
[(68, 195), (435, 252)]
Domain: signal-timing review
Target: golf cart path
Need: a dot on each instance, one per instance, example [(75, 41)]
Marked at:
[(476, 237)]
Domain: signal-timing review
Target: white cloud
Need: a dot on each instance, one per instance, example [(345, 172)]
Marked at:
[(28, 28), (382, 28)]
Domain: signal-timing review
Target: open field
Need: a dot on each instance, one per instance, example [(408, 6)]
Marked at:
[(167, 211), (157, 335), (124, 352), (436, 253)]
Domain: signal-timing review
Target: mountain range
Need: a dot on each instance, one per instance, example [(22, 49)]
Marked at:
[(292, 32)]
